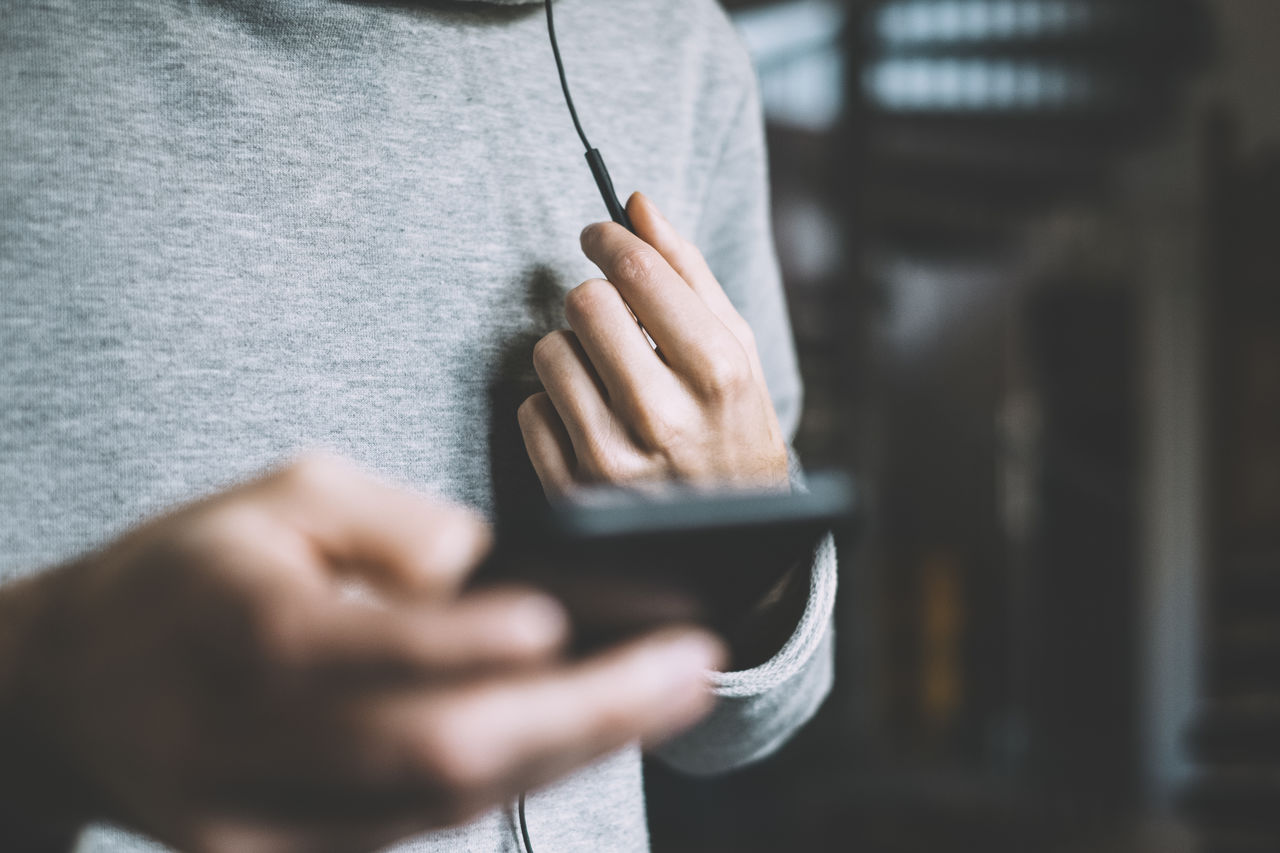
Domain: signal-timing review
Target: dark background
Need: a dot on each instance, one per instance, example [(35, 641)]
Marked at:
[(1031, 252)]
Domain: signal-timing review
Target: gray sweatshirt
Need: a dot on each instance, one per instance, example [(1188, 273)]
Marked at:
[(234, 229)]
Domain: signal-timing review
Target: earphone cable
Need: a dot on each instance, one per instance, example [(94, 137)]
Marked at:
[(617, 212), (564, 81), (524, 826)]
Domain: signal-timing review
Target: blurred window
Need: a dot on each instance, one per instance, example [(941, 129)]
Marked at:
[(797, 52)]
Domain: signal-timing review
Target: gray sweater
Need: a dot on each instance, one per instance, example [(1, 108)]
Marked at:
[(233, 229)]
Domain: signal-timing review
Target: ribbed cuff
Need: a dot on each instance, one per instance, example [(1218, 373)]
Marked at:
[(804, 642)]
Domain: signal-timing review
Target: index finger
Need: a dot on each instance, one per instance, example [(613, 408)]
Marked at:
[(688, 333), (407, 643), (511, 734)]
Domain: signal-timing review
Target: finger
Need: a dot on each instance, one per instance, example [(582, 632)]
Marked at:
[(495, 629), (511, 734), (646, 692), (321, 832), (571, 383), (547, 442), (387, 534), (691, 337), (615, 345), (684, 257), (444, 756)]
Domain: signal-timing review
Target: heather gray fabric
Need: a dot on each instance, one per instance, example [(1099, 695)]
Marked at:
[(231, 230)]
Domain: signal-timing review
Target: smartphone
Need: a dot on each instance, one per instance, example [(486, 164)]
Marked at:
[(626, 560)]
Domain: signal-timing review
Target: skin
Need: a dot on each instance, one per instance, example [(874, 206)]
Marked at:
[(292, 665), (695, 409), (614, 409)]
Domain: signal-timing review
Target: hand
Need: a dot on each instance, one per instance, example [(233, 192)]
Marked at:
[(290, 666), (695, 409), (616, 410)]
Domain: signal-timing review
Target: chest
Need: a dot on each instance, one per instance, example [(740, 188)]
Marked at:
[(219, 250)]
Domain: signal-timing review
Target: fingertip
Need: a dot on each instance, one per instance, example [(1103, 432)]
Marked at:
[(461, 540), (539, 622), (525, 412), (474, 525), (701, 651), (535, 406), (525, 621), (590, 233), (592, 238), (687, 657), (650, 207), (651, 224), (682, 657)]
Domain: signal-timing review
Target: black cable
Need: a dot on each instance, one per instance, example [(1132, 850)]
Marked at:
[(595, 161), (524, 828), (619, 214), (564, 81)]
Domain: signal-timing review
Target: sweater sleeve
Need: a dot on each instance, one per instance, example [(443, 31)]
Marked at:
[(759, 709)]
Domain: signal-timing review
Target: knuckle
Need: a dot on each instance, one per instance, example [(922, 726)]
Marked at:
[(723, 373), (743, 332), (657, 427), (598, 463), (613, 458), (636, 264)]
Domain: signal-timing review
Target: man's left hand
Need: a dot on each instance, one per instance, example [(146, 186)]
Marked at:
[(617, 410)]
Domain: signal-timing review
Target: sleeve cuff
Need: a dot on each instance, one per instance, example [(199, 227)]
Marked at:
[(804, 642), (759, 709)]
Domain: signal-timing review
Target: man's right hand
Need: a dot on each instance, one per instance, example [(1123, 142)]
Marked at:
[(291, 665)]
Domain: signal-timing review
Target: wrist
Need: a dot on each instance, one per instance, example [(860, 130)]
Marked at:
[(39, 808)]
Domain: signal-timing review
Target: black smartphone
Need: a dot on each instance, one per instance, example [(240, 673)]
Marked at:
[(626, 560)]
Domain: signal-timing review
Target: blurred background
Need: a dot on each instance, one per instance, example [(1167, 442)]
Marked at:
[(1031, 249)]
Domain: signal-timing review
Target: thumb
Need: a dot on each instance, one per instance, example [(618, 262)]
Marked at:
[(391, 537)]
